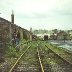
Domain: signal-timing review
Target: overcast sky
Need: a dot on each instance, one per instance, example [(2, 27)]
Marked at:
[(39, 14)]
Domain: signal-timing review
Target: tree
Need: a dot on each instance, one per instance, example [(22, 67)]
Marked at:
[(55, 31)]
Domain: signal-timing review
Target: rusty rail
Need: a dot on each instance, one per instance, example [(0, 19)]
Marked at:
[(40, 60), (18, 60), (59, 56)]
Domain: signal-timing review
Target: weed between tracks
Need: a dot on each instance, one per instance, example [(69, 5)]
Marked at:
[(51, 61), (48, 58), (12, 54)]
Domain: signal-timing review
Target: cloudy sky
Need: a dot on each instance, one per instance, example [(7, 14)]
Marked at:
[(39, 14)]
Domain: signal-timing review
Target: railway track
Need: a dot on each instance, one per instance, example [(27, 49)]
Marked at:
[(40, 61), (40, 58), (58, 63), (53, 62), (18, 60), (8, 62), (29, 61), (44, 66), (65, 54)]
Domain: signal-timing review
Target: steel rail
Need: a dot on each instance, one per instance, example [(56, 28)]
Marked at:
[(40, 60), (18, 60), (59, 55)]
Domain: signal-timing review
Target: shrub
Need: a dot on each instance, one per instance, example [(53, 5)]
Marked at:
[(11, 52)]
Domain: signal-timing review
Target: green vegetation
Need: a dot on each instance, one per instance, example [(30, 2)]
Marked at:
[(15, 52), (30, 57), (12, 52)]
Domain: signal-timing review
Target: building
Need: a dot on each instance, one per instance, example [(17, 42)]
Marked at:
[(7, 28), (63, 35)]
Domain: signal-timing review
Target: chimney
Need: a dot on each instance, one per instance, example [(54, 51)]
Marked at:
[(12, 17)]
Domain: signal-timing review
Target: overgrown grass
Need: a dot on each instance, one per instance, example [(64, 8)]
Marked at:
[(15, 52), (11, 52)]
